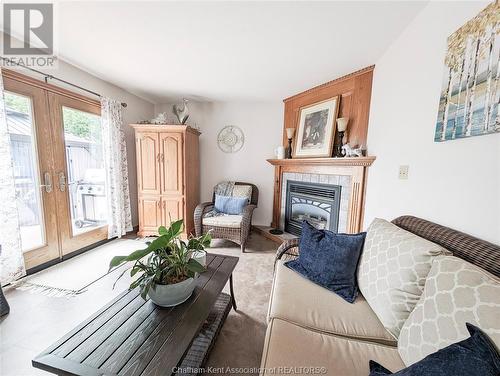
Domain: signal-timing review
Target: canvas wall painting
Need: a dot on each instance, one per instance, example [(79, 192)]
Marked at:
[(470, 94), (316, 129)]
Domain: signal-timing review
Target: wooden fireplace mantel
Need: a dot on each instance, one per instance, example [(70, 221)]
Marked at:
[(354, 93), (359, 161), (356, 168)]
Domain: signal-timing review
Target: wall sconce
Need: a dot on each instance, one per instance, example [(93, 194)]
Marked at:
[(341, 128), (289, 134)]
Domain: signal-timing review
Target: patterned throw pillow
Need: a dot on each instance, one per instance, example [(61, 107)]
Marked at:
[(392, 271), (242, 190), (455, 292), (475, 355)]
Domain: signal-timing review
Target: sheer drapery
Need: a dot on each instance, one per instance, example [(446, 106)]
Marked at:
[(11, 254), (115, 154)]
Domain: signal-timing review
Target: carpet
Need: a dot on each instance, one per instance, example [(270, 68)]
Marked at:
[(238, 348), (73, 276)]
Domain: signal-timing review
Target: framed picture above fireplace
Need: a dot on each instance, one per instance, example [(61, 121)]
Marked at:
[(316, 129)]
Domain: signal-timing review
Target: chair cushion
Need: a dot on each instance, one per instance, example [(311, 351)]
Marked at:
[(300, 301), (226, 220), (455, 292), (329, 260), (392, 271), (289, 345)]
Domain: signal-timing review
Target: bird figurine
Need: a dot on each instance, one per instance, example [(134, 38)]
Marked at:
[(182, 112), (349, 151)]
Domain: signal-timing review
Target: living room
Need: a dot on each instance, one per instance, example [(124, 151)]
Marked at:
[(250, 187)]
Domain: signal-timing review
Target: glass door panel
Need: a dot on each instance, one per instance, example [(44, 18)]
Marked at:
[(80, 172), (28, 126), (85, 170), (26, 174)]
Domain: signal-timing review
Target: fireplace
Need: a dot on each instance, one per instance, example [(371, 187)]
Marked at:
[(318, 204)]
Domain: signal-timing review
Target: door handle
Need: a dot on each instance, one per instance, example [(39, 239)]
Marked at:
[(47, 182), (62, 181)]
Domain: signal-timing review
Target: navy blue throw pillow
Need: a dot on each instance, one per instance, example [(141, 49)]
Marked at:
[(475, 355), (329, 260)]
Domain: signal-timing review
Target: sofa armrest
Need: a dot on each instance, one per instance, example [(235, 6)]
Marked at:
[(199, 212), (289, 250)]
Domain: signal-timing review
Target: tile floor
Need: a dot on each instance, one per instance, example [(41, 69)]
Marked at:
[(36, 321)]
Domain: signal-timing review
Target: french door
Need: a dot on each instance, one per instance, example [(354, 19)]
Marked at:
[(56, 148), (79, 172)]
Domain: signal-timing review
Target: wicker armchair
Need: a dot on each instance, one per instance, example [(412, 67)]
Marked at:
[(288, 250), (239, 234)]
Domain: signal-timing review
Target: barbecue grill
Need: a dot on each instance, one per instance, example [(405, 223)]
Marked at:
[(91, 199)]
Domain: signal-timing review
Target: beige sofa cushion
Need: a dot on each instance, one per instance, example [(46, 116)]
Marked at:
[(289, 345), (392, 271), (226, 220), (455, 292), (298, 300)]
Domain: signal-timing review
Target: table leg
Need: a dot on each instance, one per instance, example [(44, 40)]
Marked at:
[(4, 306), (233, 301)]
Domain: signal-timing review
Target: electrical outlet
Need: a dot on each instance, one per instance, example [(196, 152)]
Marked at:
[(403, 172)]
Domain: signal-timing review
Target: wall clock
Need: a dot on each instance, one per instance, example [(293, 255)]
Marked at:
[(230, 139)]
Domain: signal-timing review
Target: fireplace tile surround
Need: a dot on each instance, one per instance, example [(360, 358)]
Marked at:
[(343, 181), (349, 173)]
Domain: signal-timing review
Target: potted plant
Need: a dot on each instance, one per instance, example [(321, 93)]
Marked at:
[(165, 270)]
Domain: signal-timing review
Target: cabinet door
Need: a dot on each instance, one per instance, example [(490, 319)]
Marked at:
[(171, 163), (148, 155), (149, 214), (172, 210)]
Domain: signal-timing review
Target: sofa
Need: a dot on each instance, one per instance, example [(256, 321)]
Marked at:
[(312, 330)]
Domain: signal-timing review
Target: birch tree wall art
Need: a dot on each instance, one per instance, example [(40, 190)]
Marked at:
[(470, 94)]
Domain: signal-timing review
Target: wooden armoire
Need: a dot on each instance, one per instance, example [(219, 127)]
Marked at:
[(168, 173)]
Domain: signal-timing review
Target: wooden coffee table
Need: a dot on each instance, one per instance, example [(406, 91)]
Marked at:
[(130, 336)]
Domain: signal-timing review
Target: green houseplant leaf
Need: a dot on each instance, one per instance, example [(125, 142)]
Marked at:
[(165, 260)]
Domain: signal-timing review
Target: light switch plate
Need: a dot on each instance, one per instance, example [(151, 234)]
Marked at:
[(403, 172)]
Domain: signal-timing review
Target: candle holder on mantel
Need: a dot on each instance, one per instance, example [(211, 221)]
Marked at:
[(341, 128), (289, 134)]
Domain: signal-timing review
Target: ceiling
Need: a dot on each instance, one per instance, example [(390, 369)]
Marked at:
[(226, 51)]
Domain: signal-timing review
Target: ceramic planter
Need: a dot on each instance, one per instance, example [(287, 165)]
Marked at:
[(172, 295)]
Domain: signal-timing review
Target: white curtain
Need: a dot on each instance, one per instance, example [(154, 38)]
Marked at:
[(11, 254), (115, 155)]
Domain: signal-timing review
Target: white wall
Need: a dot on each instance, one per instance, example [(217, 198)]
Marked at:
[(455, 183), (262, 124), (137, 109)]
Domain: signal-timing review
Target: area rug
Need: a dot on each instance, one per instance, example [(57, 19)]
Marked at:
[(73, 276), (238, 348)]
